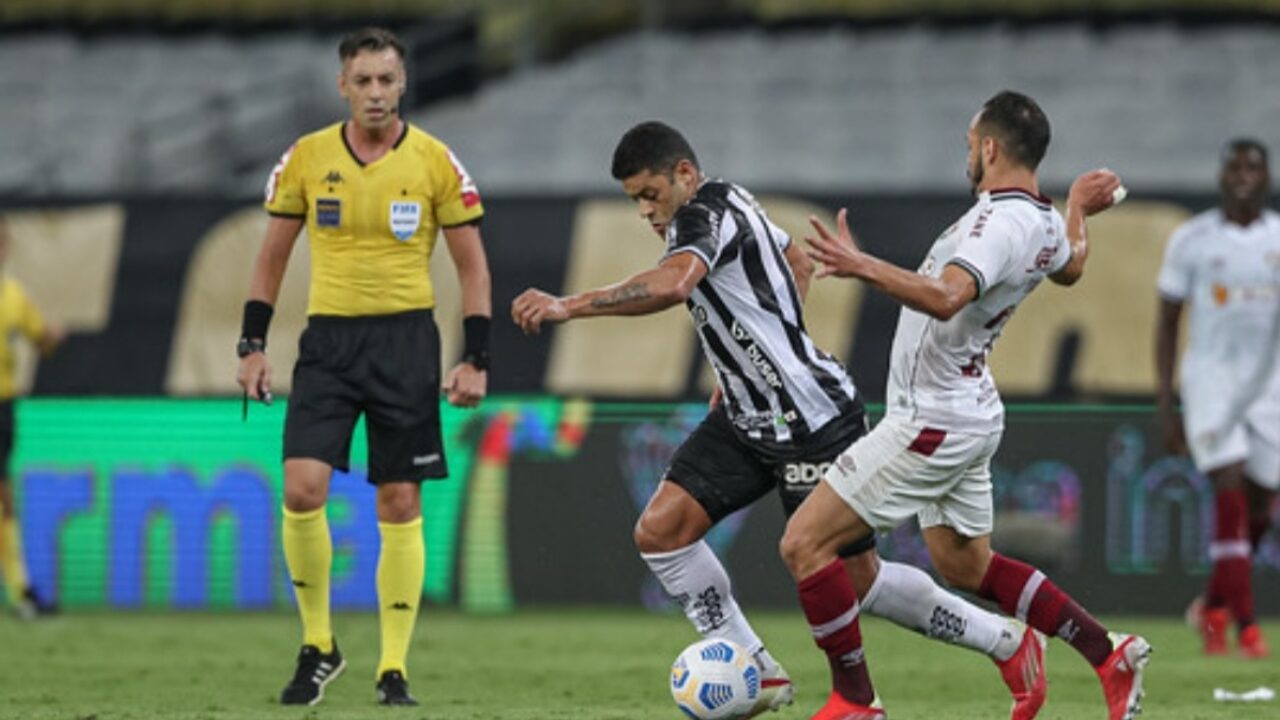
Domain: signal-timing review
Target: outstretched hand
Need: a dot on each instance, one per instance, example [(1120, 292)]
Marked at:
[(532, 308), (1095, 191), (837, 254)]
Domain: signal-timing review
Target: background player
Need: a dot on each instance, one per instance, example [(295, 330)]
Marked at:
[(18, 316), (1225, 264), (779, 401), (930, 456), (372, 191)]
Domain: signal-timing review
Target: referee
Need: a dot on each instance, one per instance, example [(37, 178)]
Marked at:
[(372, 192)]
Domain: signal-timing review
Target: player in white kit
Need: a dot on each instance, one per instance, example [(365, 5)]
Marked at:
[(931, 454), (1225, 265)]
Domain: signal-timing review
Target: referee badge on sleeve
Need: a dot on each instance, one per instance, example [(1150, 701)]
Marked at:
[(405, 218)]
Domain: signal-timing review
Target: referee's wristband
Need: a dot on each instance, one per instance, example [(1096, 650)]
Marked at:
[(475, 330), (257, 318)]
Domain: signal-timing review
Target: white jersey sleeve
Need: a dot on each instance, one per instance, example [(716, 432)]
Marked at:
[(1176, 271), (988, 251)]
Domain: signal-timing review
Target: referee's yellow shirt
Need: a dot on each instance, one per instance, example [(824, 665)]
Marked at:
[(371, 226), (17, 315)]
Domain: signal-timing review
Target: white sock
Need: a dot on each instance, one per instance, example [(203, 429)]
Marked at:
[(695, 579), (906, 595)]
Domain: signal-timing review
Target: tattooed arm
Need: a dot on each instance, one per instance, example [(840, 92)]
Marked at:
[(642, 294)]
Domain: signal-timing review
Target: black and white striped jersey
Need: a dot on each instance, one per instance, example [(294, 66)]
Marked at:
[(779, 388)]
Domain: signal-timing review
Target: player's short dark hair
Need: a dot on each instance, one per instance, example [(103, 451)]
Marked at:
[(1235, 145), (1020, 125), (652, 146), (374, 39)]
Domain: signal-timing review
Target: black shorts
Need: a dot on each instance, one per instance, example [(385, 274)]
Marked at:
[(725, 473), (6, 437), (387, 367)]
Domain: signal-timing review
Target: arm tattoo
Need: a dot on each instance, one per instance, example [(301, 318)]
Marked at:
[(622, 296)]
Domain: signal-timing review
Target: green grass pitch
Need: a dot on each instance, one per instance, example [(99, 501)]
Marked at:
[(539, 665)]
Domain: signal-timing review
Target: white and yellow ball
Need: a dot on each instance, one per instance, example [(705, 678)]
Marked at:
[(715, 680)]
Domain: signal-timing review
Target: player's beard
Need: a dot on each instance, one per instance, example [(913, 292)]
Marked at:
[(975, 176)]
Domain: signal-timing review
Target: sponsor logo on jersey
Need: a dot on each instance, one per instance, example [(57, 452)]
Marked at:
[(333, 178), (803, 473), (328, 212), (980, 224), (405, 219), (757, 357)]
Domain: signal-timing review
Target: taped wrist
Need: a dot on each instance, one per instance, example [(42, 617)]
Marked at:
[(257, 318), (475, 329)]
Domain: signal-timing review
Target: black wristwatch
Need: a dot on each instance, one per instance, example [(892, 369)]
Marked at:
[(249, 346)]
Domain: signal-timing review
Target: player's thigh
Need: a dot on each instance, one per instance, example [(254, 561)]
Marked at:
[(967, 504), (323, 403), (672, 519), (400, 382), (887, 476), (717, 469)]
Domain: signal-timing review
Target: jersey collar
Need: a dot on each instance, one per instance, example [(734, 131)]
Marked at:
[(342, 133)]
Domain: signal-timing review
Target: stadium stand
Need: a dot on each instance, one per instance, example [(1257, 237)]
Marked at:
[(805, 109)]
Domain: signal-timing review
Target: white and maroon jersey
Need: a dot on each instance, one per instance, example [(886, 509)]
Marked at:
[(1229, 277), (779, 388), (938, 376)]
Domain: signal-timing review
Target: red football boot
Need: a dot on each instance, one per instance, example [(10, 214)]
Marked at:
[(837, 708), (1213, 630), (1121, 676), (1252, 646), (1024, 673)]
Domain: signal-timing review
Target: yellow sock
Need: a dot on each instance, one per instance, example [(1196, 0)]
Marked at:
[(401, 566), (308, 551), (11, 560)]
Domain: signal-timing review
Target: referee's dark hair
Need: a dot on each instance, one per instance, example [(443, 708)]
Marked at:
[(1019, 124), (374, 39), (652, 146), (1240, 144)]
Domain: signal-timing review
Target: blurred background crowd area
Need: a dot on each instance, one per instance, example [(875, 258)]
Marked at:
[(197, 96)]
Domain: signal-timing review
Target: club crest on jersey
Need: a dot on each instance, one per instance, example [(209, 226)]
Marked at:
[(405, 218)]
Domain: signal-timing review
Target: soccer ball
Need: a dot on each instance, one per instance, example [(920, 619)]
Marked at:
[(715, 680)]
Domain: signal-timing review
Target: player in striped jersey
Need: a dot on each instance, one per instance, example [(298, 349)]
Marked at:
[(930, 456), (783, 409)]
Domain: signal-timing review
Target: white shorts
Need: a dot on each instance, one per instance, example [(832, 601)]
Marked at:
[(901, 469), (1254, 442)]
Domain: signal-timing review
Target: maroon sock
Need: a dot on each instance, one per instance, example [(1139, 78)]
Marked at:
[(1025, 593), (1231, 583), (831, 606)]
